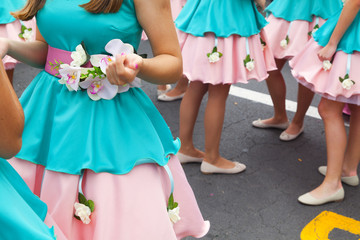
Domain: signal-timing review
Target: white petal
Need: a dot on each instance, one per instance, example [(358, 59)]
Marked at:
[(95, 59), (108, 91), (94, 97)]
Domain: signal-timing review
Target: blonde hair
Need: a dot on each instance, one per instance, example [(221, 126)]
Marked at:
[(94, 6)]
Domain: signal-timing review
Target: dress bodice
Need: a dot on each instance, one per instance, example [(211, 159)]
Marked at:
[(70, 24), (7, 6), (221, 17), (291, 10)]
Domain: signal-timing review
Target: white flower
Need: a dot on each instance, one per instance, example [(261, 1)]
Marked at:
[(326, 65), (100, 88), (174, 214), (70, 76), (284, 43), (27, 35), (83, 212), (347, 84), (214, 57), (78, 56), (250, 65)]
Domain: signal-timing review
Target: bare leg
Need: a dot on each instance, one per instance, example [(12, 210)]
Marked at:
[(304, 99), (277, 89), (189, 110), (214, 119), (352, 154), (10, 73), (331, 113), (180, 87)]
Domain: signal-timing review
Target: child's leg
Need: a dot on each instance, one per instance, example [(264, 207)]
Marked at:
[(277, 89), (10, 74), (352, 154), (335, 133), (189, 110), (214, 119), (304, 99), (180, 87)]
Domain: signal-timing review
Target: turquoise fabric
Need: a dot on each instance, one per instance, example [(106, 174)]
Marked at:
[(350, 41), (292, 10), (21, 212), (7, 6), (67, 131), (223, 18)]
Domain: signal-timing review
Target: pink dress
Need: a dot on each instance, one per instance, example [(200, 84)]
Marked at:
[(237, 36)]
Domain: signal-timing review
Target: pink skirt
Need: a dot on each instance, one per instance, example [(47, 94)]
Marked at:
[(127, 207), (230, 68), (308, 70), (298, 32), (12, 31)]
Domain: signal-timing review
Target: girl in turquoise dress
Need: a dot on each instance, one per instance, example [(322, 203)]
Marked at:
[(95, 148), (329, 66), (22, 213), (291, 24), (222, 44), (14, 29)]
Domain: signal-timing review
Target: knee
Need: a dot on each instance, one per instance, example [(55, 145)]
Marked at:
[(327, 110)]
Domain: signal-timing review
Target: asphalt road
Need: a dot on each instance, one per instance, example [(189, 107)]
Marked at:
[(260, 203)]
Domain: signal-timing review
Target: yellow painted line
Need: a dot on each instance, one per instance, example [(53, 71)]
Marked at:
[(320, 227)]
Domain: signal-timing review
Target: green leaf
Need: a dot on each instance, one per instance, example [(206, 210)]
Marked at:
[(346, 76), (175, 205), (353, 81), (78, 218), (310, 34), (91, 205), (214, 49), (287, 39), (262, 42), (220, 54), (82, 198), (341, 79), (23, 27), (21, 36), (208, 55)]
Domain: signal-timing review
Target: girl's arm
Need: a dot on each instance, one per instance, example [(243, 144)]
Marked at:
[(261, 3), (166, 65), (349, 12), (11, 118), (32, 53)]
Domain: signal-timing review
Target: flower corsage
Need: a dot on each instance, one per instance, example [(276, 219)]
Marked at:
[(214, 56), (316, 27), (249, 63), (285, 42), (26, 33), (346, 82), (173, 210), (83, 209), (94, 79)]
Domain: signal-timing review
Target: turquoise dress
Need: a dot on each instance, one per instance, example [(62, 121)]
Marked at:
[(67, 131), (291, 10), (350, 41), (21, 212), (7, 6), (223, 18)]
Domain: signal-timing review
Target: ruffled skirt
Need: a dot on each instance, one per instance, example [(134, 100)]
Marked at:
[(127, 207), (308, 70), (12, 31), (298, 32), (230, 68)]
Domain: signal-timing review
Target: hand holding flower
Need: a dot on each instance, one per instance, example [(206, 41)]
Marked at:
[(327, 52), (124, 69)]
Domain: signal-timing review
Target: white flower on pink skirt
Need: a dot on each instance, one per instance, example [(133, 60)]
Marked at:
[(83, 212), (346, 82), (285, 42), (174, 214), (326, 65)]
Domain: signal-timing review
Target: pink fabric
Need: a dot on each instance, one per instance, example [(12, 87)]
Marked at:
[(277, 30), (127, 207), (230, 68), (307, 69), (11, 31), (347, 110)]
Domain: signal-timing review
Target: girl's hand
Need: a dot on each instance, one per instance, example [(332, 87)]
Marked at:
[(327, 52), (124, 69)]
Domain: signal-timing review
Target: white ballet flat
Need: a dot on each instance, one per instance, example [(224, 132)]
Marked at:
[(188, 159), (208, 168), (260, 124), (168, 88), (352, 181), (286, 137), (310, 200), (166, 98)]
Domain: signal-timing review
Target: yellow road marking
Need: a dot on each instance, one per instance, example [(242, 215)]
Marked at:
[(320, 227)]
